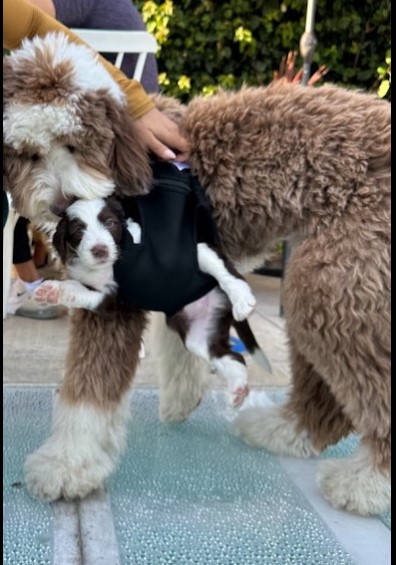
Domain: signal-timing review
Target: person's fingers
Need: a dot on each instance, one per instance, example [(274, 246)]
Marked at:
[(161, 136), (161, 150), (172, 137)]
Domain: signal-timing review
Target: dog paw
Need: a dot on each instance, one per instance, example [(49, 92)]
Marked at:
[(135, 230), (354, 485), (48, 292), (242, 300), (51, 474), (267, 427), (68, 293), (170, 415), (81, 452), (54, 471), (238, 395)]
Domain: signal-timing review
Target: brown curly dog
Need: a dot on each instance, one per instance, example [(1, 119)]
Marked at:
[(308, 164), (311, 165)]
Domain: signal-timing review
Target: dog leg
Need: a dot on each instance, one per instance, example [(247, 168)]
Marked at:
[(80, 454), (91, 413), (286, 430), (183, 378), (339, 317), (271, 428), (237, 290), (313, 406), (233, 369), (356, 484), (207, 336), (362, 483), (69, 293)]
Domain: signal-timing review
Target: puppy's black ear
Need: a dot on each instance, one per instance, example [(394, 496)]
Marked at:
[(116, 207), (59, 240)]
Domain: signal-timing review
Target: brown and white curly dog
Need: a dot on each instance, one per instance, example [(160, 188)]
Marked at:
[(308, 164)]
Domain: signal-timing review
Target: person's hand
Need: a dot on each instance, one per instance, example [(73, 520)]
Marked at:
[(162, 136)]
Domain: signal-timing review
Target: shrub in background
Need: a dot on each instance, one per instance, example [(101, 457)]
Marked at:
[(384, 77), (206, 44)]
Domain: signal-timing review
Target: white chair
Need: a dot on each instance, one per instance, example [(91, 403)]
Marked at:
[(103, 41), (8, 246), (121, 42)]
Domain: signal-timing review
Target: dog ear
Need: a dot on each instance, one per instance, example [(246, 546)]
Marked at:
[(129, 160), (116, 207), (59, 240), (8, 75)]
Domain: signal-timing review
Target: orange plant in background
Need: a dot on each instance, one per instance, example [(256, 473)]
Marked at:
[(287, 70)]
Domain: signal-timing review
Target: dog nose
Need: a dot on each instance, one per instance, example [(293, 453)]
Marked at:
[(100, 251)]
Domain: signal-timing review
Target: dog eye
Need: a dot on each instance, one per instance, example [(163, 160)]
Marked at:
[(35, 157), (109, 223), (77, 230), (71, 148)]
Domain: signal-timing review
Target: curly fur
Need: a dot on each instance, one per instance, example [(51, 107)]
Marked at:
[(311, 165), (67, 134), (91, 414), (66, 130)]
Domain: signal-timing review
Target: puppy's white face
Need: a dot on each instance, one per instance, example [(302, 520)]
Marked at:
[(92, 229)]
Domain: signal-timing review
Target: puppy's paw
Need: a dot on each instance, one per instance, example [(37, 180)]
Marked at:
[(242, 300), (238, 395), (48, 292), (235, 374), (68, 293), (135, 230)]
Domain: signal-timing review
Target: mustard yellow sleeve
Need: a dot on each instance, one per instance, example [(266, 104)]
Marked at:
[(23, 20)]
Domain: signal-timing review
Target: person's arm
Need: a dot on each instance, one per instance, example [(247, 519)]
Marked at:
[(23, 20), (72, 13), (47, 6), (97, 14)]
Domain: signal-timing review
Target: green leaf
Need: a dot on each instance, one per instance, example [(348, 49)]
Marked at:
[(383, 88)]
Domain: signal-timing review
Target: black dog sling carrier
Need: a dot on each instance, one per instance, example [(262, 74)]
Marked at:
[(161, 273)]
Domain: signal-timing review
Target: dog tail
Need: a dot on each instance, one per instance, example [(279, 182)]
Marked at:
[(246, 335)]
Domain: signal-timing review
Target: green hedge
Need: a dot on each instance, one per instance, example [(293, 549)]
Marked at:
[(205, 44)]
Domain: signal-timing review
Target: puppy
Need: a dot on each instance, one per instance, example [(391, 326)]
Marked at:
[(88, 240)]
